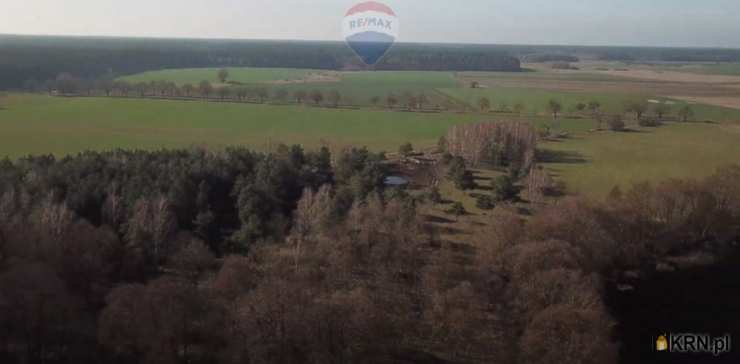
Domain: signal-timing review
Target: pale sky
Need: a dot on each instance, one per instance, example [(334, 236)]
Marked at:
[(705, 23)]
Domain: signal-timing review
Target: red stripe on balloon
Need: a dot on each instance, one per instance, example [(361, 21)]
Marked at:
[(370, 6)]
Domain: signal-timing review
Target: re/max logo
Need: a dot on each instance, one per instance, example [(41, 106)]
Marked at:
[(370, 22), (695, 343)]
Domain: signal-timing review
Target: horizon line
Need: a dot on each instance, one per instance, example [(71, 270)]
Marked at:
[(341, 41)]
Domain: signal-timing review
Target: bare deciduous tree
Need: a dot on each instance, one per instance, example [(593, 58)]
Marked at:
[(300, 96), (223, 75), (554, 107), (484, 104), (188, 88), (391, 100), (205, 88), (685, 113), (316, 96), (281, 94), (334, 97)]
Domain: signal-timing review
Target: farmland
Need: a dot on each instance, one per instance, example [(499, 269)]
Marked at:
[(242, 75), (36, 124), (729, 69), (70, 125)]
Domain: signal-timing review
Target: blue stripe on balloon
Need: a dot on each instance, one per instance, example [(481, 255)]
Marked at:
[(370, 46)]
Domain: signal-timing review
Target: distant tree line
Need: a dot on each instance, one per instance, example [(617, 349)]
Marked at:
[(33, 60), (629, 54), (549, 57), (634, 54)]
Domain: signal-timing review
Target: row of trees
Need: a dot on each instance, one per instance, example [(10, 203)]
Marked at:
[(658, 111), (407, 100), (485, 105), (66, 84)]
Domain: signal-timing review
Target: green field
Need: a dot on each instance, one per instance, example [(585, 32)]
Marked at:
[(42, 124), (242, 75), (728, 69), (538, 74), (601, 160)]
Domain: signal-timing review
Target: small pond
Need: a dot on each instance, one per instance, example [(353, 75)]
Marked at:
[(395, 181)]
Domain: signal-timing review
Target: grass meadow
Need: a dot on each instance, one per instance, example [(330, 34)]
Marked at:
[(596, 162), (592, 162), (32, 124), (244, 75), (728, 69)]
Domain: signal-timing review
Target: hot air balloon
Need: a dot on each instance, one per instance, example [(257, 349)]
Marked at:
[(370, 29)]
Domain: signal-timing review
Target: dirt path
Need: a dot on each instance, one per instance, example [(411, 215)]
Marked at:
[(671, 76), (726, 101), (323, 77)]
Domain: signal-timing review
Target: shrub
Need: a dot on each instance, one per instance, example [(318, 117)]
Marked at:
[(406, 149), (649, 122), (504, 189), (616, 123), (685, 113), (466, 182), (434, 195), (457, 209), (442, 144), (563, 66), (485, 202), (457, 172)]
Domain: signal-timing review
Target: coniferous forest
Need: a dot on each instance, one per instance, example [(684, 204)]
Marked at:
[(30, 61)]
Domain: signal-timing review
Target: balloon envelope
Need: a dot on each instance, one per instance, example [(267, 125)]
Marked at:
[(370, 29)]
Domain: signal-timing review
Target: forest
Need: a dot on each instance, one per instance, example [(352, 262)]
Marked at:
[(293, 256), (35, 60), (29, 60)]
